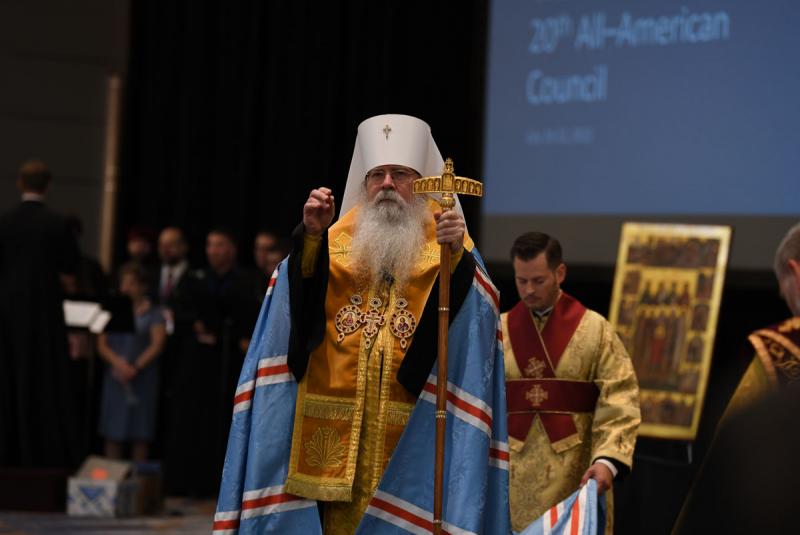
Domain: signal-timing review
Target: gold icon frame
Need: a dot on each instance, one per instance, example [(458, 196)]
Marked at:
[(665, 307)]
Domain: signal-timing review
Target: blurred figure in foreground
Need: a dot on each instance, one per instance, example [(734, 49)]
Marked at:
[(757, 491)]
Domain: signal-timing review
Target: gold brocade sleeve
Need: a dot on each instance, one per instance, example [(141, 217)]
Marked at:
[(617, 416), (755, 384), (311, 246)]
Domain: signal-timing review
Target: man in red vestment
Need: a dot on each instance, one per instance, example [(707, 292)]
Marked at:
[(573, 398)]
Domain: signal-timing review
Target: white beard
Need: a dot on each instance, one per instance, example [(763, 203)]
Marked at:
[(388, 238)]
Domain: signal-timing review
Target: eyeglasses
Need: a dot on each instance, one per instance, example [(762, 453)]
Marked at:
[(398, 175)]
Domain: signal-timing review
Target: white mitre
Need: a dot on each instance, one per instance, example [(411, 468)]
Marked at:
[(391, 140)]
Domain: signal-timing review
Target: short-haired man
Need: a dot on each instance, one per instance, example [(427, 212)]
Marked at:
[(40, 419), (762, 412), (228, 312), (205, 382), (573, 398), (180, 291), (176, 280)]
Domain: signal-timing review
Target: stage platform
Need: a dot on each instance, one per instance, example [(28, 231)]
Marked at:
[(180, 516)]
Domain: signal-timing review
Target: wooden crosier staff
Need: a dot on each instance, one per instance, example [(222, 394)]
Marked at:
[(447, 184)]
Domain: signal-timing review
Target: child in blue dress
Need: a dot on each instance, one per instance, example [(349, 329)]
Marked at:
[(130, 382)]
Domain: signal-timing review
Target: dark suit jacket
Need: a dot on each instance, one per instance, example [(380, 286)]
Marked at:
[(184, 300)]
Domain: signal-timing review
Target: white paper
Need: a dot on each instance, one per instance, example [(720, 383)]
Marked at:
[(80, 313), (100, 321)]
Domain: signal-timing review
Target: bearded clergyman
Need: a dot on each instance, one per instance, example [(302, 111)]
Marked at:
[(361, 346), (376, 260)]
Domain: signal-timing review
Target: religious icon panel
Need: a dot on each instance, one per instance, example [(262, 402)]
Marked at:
[(665, 305)]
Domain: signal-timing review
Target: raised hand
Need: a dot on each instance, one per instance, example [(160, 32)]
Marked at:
[(318, 211)]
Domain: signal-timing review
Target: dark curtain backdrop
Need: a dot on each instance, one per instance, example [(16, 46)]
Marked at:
[(234, 110)]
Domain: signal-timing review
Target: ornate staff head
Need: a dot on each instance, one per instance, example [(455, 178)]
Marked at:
[(448, 184)]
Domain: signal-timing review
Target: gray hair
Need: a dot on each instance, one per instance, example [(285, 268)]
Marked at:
[(789, 249)]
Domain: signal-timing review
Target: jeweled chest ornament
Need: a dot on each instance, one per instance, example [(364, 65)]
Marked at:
[(403, 323), (372, 320), (350, 318)]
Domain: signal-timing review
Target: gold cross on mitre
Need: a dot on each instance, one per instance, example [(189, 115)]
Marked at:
[(448, 184), (387, 130)]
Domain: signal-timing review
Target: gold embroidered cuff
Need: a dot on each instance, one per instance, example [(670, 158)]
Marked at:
[(310, 251)]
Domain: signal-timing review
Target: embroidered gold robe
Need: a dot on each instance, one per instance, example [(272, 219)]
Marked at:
[(543, 472), (352, 405), (776, 363)]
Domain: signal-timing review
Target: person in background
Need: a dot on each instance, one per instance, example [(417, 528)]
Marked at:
[(130, 383), (139, 248), (205, 380), (38, 413), (268, 251), (140, 244), (228, 312), (178, 294), (91, 282), (177, 282)]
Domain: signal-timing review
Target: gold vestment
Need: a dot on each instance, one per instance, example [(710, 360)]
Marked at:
[(776, 363), (543, 473), (351, 409)]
